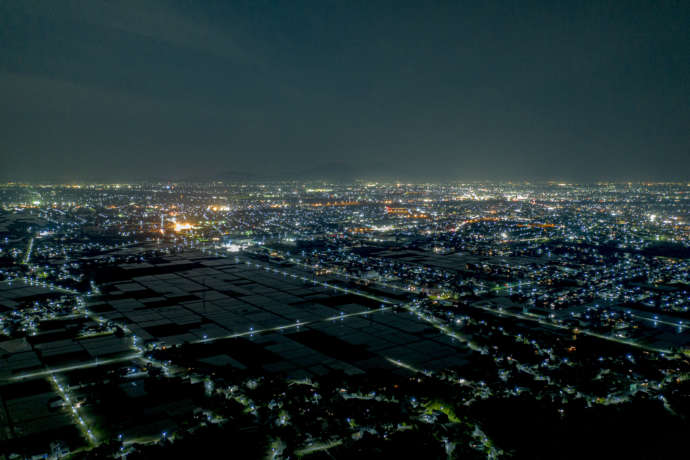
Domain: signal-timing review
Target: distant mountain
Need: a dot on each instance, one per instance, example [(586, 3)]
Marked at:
[(331, 171)]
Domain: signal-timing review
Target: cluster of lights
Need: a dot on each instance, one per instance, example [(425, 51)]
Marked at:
[(182, 226)]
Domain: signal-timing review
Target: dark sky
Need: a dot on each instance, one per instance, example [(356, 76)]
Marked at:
[(117, 90)]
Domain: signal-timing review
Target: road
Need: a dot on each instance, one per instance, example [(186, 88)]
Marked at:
[(29, 249), (57, 370), (567, 328), (295, 325)]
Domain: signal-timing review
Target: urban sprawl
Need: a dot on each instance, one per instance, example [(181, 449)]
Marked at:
[(364, 320)]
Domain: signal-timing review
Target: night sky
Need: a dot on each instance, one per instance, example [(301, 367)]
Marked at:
[(124, 90)]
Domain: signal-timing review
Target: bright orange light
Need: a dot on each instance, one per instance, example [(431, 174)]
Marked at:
[(181, 226)]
